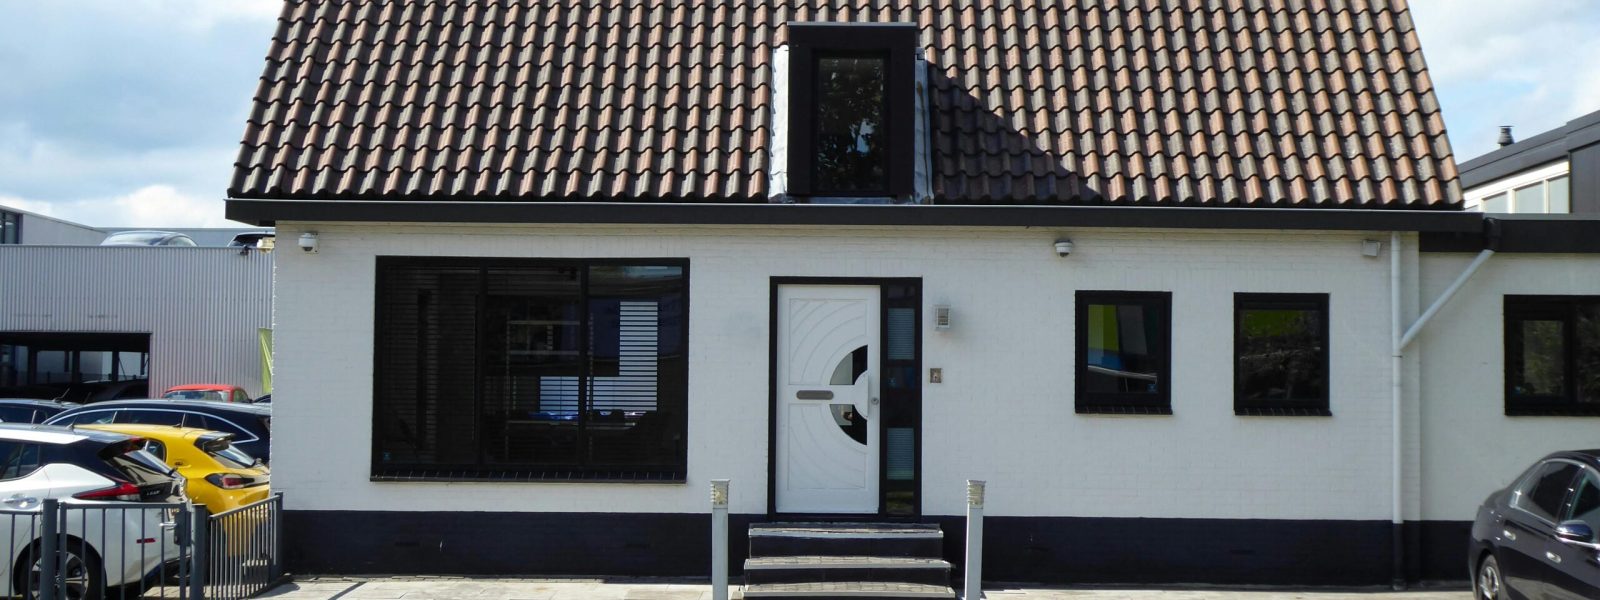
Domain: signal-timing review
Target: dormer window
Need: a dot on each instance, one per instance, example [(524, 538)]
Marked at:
[(850, 151), (851, 109)]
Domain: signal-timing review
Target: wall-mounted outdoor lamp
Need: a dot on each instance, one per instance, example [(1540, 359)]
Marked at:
[(1371, 248), (1063, 247), (941, 317)]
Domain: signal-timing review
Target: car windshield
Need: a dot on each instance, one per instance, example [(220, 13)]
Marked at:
[(231, 455), (211, 395), (136, 238), (140, 466), (16, 414)]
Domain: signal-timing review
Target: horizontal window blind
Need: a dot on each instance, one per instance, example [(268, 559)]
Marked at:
[(530, 370)]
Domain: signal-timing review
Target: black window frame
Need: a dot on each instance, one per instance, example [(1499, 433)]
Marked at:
[(678, 471), (897, 44), (10, 227), (1101, 403), (1519, 308), (1318, 407)]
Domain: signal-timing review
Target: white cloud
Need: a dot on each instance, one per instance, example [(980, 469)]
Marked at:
[(47, 209), (1533, 64), (154, 206), (167, 206)]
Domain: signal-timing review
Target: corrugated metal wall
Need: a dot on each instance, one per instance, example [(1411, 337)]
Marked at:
[(202, 306), (42, 230)]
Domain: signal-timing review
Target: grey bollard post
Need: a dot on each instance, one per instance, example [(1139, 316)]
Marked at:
[(974, 579), (719, 539)]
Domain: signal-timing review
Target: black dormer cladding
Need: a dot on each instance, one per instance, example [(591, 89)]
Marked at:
[(897, 43)]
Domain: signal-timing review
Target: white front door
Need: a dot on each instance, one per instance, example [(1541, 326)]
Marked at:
[(827, 405)]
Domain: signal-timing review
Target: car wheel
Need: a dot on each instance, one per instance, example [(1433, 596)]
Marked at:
[(1489, 584), (81, 572)]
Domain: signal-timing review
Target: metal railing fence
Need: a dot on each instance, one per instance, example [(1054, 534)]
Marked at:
[(125, 550), (242, 552)]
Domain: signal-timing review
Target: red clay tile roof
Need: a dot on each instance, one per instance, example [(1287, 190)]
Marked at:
[(1308, 103)]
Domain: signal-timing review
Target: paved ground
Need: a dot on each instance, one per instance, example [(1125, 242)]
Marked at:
[(445, 588)]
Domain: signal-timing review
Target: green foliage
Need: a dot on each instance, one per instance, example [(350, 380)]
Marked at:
[(850, 137)]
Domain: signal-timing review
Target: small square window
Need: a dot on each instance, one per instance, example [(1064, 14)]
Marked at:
[(10, 228), (1552, 354), (1280, 354), (1124, 352)]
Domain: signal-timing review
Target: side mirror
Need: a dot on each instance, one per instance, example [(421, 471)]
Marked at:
[(1575, 532)]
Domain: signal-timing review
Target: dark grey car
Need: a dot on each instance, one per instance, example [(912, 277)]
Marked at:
[(1535, 539), (250, 425)]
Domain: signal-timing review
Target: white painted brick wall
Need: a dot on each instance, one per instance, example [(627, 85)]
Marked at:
[(1470, 448), (1004, 413)]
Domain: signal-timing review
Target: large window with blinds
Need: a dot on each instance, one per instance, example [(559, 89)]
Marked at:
[(519, 369)]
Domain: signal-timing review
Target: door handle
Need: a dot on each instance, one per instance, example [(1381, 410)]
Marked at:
[(1555, 558), (1507, 533), (872, 393), (19, 500)]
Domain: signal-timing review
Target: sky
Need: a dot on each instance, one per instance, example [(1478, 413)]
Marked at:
[(127, 113)]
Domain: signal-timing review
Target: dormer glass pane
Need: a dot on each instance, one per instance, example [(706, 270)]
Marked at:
[(1496, 204), (1529, 199), (851, 142), (1560, 195)]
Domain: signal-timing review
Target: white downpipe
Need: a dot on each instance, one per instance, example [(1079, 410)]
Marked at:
[(1395, 499), (1416, 328), (1399, 341)]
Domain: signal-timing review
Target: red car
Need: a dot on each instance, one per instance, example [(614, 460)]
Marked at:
[(208, 391)]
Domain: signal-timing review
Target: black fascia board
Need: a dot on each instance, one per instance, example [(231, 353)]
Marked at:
[(267, 212), (897, 43), (1547, 234), (1530, 234)]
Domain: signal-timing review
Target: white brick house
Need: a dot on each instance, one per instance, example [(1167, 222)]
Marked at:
[(533, 330)]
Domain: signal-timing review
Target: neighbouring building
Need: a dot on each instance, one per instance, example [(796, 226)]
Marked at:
[(85, 322), (1543, 174), (23, 227), (1146, 267)]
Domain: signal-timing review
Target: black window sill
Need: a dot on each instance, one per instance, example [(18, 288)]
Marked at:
[(1122, 409), (1281, 411), (530, 477), (1553, 411)]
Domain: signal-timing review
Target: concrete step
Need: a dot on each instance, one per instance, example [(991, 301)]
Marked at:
[(804, 569), (917, 540), (849, 589)]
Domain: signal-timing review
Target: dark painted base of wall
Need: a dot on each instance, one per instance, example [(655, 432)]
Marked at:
[(1035, 549), (1439, 552)]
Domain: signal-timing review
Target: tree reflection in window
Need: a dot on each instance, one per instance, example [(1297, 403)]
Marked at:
[(1552, 355), (850, 140)]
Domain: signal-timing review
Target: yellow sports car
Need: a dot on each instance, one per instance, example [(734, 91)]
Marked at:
[(220, 476)]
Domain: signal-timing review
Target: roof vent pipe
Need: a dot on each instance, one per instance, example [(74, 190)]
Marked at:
[(1505, 136)]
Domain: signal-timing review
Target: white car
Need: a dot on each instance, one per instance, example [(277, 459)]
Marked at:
[(121, 507)]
